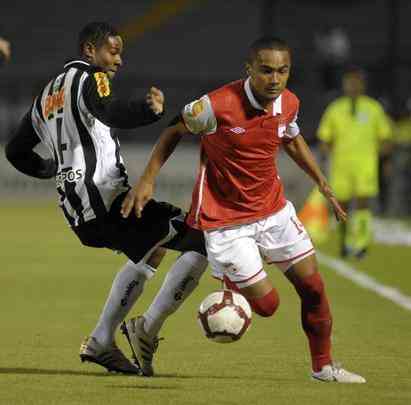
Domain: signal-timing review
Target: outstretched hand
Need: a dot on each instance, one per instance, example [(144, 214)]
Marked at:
[(340, 214), (155, 100), (137, 198)]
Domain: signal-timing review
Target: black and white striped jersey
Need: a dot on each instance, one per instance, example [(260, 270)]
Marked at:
[(72, 116)]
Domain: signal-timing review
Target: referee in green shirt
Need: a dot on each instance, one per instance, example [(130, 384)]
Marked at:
[(352, 130)]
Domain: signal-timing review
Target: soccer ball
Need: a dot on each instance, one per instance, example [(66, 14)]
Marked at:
[(224, 316)]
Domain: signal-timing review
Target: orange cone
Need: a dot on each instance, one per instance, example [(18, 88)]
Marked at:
[(314, 216)]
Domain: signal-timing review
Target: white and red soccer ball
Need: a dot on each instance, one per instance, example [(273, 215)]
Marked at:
[(224, 316)]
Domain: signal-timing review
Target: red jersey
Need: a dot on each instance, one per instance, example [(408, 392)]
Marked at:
[(238, 180)]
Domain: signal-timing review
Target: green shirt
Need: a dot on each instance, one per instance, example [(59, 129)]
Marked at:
[(354, 138)]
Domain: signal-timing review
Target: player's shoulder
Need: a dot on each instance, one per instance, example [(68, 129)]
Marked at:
[(289, 95), (290, 100), (372, 103), (97, 81), (227, 94), (232, 89), (337, 104)]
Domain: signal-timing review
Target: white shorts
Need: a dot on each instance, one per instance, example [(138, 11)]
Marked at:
[(238, 252)]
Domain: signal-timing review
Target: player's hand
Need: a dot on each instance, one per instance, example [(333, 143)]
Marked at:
[(137, 198), (340, 214), (5, 49), (155, 100)]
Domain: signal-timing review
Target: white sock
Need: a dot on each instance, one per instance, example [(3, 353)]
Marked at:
[(180, 282), (125, 290)]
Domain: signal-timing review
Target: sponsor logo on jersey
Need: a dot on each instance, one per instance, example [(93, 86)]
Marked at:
[(237, 130), (103, 84), (54, 103), (68, 175)]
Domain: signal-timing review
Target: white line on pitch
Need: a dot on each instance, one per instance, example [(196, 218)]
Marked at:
[(367, 282)]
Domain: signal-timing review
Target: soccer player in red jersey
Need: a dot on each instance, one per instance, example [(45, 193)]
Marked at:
[(238, 200)]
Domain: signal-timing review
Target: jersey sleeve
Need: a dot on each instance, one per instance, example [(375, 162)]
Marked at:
[(116, 113), (325, 129), (19, 152), (199, 117), (384, 127)]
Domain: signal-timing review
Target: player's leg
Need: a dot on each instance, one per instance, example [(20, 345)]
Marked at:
[(317, 321), (179, 283), (344, 232), (315, 310), (182, 278), (366, 187), (262, 296), (127, 287), (362, 223), (140, 241), (125, 290), (285, 242), (342, 184), (233, 253)]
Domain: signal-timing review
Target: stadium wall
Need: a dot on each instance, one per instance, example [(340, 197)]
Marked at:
[(174, 184)]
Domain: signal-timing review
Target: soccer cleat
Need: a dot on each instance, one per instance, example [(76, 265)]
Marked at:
[(333, 373), (360, 254), (142, 345), (346, 252), (109, 357)]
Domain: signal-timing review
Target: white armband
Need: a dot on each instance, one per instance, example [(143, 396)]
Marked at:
[(199, 116), (292, 130)]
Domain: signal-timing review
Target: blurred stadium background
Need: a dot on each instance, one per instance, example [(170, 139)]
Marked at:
[(188, 47)]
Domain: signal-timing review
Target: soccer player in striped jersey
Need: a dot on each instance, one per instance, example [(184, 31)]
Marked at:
[(238, 200), (73, 116)]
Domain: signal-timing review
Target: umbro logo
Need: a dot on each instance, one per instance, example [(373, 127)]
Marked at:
[(237, 130)]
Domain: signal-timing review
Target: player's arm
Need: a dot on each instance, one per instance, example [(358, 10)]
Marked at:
[(19, 152), (196, 118), (120, 113), (299, 151), (325, 132), (143, 190), (385, 129)]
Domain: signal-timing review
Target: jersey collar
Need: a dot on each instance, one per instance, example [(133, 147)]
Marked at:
[(253, 101), (77, 64)]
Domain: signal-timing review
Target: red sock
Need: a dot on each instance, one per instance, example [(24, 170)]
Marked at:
[(263, 306), (316, 319)]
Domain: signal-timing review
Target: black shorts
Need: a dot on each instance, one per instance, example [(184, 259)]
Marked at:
[(136, 237)]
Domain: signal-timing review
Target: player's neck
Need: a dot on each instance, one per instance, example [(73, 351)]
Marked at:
[(355, 96), (264, 102)]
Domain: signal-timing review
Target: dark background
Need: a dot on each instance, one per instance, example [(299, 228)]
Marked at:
[(190, 47)]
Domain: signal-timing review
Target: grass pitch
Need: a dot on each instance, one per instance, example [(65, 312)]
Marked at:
[(52, 290)]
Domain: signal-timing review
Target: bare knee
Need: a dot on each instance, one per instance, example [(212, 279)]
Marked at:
[(156, 257)]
